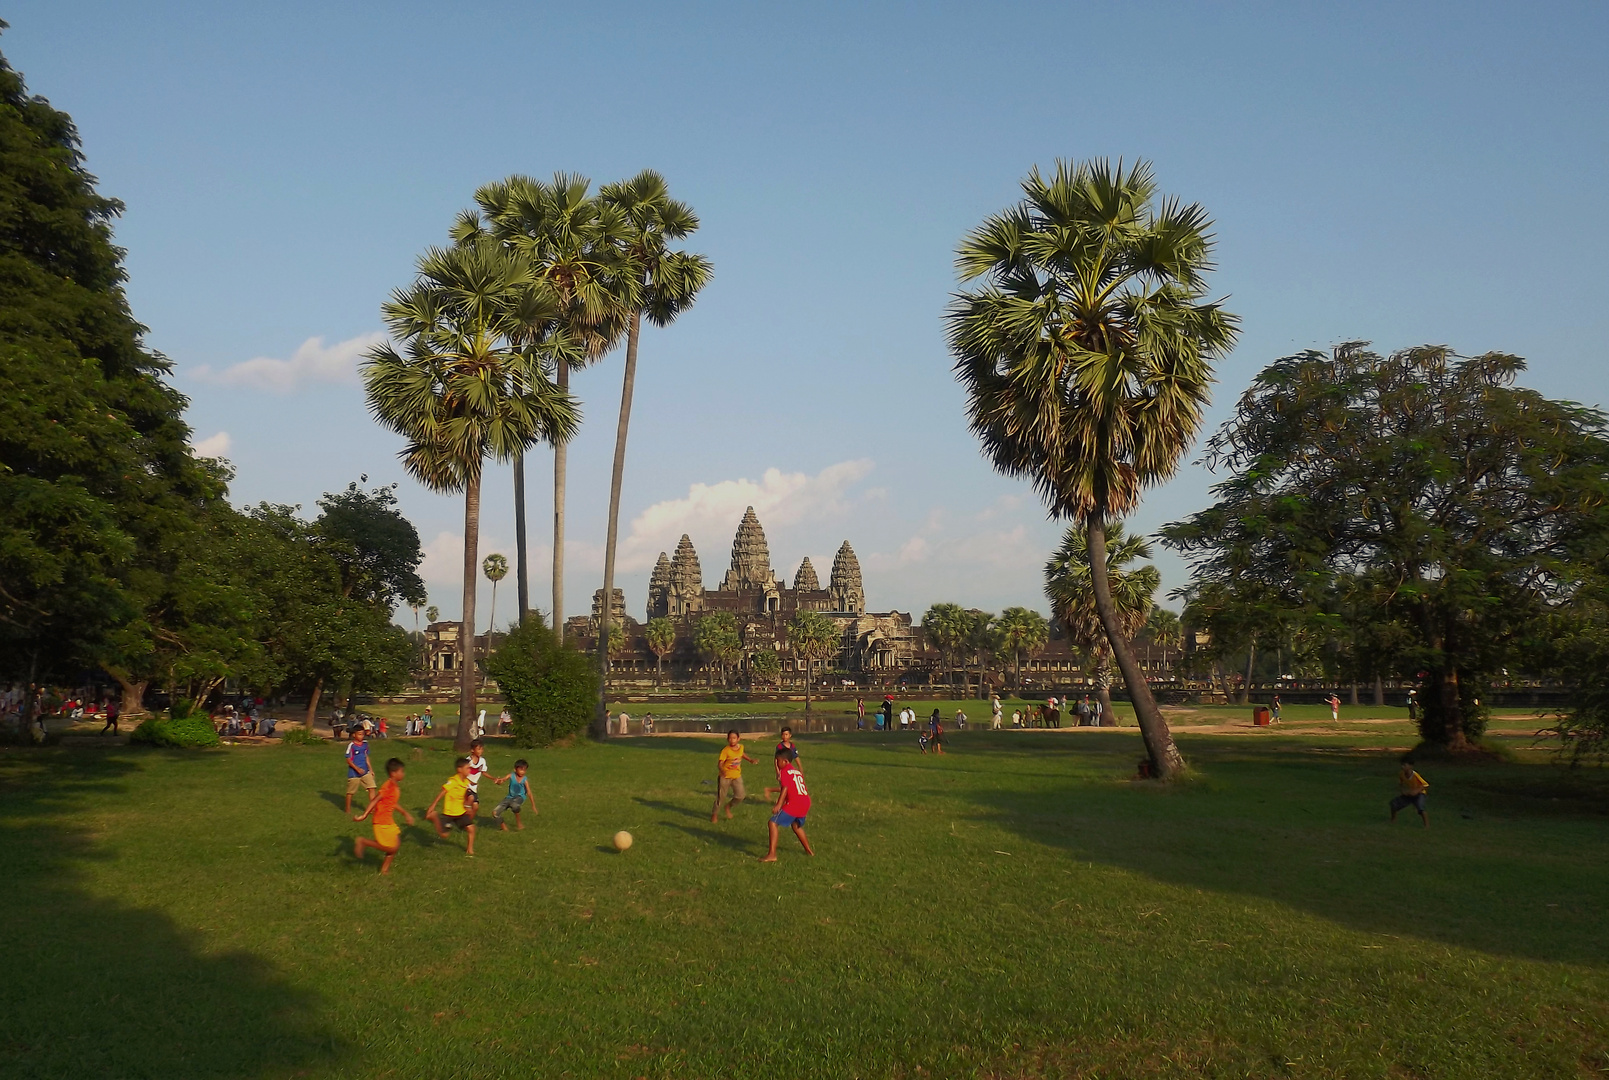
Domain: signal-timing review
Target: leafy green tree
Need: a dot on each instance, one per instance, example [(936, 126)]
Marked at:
[(812, 636), (465, 390), (98, 489), (1021, 631), (549, 688), (659, 284), (766, 667), (1087, 355), (573, 246), (717, 637), (1419, 504), (661, 635), (1071, 592), (947, 627)]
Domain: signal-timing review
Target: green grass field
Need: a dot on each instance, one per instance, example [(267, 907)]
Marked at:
[(1018, 908)]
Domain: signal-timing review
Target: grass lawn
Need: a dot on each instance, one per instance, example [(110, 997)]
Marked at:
[(1018, 908)]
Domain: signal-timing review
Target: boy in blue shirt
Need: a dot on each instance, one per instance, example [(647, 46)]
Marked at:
[(519, 789), (358, 771)]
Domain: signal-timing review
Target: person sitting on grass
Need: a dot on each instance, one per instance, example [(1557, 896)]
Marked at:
[(519, 789), (358, 771), (458, 805), (792, 806), (1412, 787), (387, 837), (729, 774)]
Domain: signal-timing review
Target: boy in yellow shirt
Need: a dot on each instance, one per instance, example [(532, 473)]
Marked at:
[(1412, 787), (729, 775), (459, 805)]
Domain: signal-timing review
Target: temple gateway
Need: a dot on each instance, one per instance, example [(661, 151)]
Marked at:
[(761, 603)]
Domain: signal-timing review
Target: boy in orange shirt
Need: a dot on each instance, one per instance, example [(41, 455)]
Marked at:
[(387, 837)]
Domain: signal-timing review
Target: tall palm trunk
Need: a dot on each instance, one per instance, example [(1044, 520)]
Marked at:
[(561, 454), (600, 726), (807, 693), (1251, 659), (522, 577), (466, 629), (1166, 760)]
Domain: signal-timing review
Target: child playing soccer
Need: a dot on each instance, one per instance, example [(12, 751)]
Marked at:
[(478, 767), (1412, 787), (458, 805), (387, 837), (519, 789), (792, 806), (787, 743), (729, 775), (358, 771)]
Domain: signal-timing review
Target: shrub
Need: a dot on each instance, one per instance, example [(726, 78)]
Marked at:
[(192, 729), (551, 690), (299, 737)]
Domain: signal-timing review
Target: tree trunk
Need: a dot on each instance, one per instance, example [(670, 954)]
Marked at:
[(807, 693), (1354, 692), (1103, 694), (467, 673), (628, 384), (1017, 656), (1452, 711), (1251, 660), (522, 575), (1379, 691), (561, 454), (1166, 761), (312, 703), (132, 697)]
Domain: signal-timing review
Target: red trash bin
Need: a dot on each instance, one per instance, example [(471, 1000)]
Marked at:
[(1259, 716)]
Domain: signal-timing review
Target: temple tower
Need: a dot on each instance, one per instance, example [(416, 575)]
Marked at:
[(847, 592), (805, 580), (686, 591), (751, 558), (659, 588)]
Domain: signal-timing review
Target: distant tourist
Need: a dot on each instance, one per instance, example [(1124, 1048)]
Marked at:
[(1274, 708), (938, 733), (729, 775), (625, 723), (111, 717), (428, 720), (1413, 703), (960, 719), (387, 837), (1335, 706), (648, 724), (505, 722), (1411, 788), (994, 711), (860, 714), (1098, 716)]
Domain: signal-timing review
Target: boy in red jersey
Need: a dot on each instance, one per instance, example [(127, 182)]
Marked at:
[(793, 803)]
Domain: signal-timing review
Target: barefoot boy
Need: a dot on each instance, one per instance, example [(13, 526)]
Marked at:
[(1412, 787), (792, 806), (358, 771), (729, 775), (458, 805), (387, 837), (519, 789), (478, 767)]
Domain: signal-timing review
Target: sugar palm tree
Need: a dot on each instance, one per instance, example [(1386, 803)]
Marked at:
[(495, 567), (1021, 631), (812, 636), (1162, 628), (432, 614), (946, 627), (1087, 353), (979, 644), (1070, 588), (463, 390), (661, 635), (657, 284), (572, 243)]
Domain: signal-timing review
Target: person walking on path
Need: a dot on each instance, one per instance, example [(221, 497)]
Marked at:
[(860, 714), (995, 710), (1274, 709)]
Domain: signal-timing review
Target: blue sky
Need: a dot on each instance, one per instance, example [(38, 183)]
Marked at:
[(1401, 173)]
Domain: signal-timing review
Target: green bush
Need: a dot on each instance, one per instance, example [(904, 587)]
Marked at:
[(299, 737), (551, 690), (192, 729)]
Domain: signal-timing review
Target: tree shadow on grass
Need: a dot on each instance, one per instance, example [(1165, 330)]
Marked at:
[(1307, 826), (95, 987), (710, 836), (670, 808)]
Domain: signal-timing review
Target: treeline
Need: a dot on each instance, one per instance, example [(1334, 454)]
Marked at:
[(119, 552)]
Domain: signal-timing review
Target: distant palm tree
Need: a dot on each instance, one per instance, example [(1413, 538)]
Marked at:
[(717, 637), (980, 643), (1087, 357), (661, 635), (572, 244), (766, 667), (812, 636), (1021, 631), (495, 567), (946, 627), (463, 390), (657, 283), (1071, 591), (432, 614), (1162, 628)]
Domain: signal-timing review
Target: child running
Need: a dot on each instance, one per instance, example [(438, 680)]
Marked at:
[(729, 775), (478, 767), (387, 837), (357, 767), (458, 805), (1412, 787), (792, 806), (519, 789)]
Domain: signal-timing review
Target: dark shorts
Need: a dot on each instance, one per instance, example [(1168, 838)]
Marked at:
[(1402, 802), (786, 820), (462, 821)]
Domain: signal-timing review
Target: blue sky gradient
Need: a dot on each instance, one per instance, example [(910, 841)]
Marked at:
[(1397, 173)]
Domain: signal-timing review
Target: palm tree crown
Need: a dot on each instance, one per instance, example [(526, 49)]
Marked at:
[(1070, 587)]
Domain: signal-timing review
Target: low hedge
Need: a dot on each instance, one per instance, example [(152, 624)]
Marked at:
[(186, 731)]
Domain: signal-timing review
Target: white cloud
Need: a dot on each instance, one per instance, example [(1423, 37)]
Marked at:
[(778, 498), (312, 362), (213, 446)]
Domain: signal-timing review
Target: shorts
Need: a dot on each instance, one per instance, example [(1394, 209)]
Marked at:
[(1402, 802), (786, 820), (731, 786), (509, 803), (366, 780), (462, 821), (386, 834)]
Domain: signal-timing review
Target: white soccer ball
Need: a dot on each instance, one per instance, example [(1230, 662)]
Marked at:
[(622, 840)]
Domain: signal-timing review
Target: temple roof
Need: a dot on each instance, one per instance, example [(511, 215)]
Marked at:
[(684, 569), (845, 569), (751, 556), (805, 579)]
